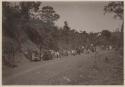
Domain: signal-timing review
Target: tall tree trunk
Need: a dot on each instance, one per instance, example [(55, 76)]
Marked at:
[(122, 34), (122, 27)]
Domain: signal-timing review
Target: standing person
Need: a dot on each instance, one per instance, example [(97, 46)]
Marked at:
[(88, 49), (78, 51), (92, 48), (83, 49)]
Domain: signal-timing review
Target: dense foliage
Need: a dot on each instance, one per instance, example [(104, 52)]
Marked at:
[(27, 26)]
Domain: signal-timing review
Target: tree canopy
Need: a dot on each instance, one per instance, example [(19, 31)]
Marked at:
[(117, 8)]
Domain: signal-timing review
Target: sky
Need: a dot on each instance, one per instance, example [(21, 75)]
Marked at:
[(88, 16)]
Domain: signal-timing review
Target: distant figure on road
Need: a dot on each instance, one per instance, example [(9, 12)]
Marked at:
[(57, 54), (73, 52), (78, 51), (93, 48), (110, 47)]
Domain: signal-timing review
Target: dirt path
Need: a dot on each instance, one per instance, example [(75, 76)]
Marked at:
[(75, 70)]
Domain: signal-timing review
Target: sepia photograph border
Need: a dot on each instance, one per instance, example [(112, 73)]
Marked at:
[(49, 85)]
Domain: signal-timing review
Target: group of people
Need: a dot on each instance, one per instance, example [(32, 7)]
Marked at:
[(50, 54)]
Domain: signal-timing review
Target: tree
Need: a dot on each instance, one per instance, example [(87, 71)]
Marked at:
[(105, 36), (49, 15), (26, 6), (66, 32), (117, 8), (92, 37), (66, 27), (13, 25), (16, 12)]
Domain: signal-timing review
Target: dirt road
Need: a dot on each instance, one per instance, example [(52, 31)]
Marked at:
[(85, 69)]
